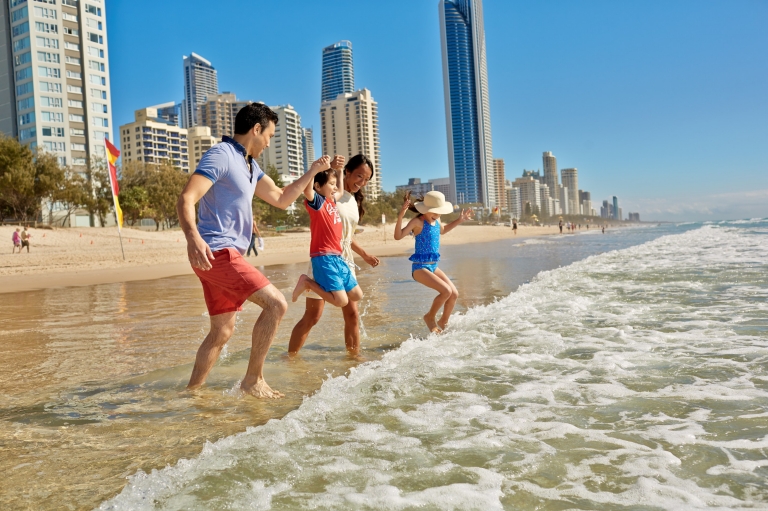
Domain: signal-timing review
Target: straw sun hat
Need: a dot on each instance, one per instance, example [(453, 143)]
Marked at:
[(434, 202)]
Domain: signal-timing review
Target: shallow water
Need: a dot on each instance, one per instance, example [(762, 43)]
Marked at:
[(632, 377)]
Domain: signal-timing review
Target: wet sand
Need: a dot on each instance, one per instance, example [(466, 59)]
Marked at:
[(80, 256)]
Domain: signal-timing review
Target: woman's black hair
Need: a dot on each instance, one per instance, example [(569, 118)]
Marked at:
[(357, 161)]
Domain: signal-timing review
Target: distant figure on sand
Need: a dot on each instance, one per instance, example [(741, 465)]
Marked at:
[(331, 280), (224, 183), (16, 237), (514, 227), (357, 172), (561, 226), (427, 229), (25, 239), (255, 236)]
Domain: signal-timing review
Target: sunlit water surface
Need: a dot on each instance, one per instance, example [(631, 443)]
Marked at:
[(630, 379)]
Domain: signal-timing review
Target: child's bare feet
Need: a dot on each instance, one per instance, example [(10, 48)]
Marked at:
[(301, 286), (443, 325), (431, 324)]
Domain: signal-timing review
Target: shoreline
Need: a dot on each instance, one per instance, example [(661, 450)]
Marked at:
[(91, 256)]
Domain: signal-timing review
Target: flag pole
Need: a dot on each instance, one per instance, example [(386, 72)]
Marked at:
[(112, 154)]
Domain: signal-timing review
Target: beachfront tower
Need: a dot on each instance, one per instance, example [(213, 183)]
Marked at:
[(550, 173), (467, 107), (616, 210), (338, 73), (200, 81), (307, 148), (54, 79), (285, 151), (571, 181)]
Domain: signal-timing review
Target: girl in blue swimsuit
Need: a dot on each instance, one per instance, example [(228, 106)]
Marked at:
[(426, 228)]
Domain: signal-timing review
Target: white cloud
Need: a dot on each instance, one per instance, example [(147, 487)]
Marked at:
[(722, 206)]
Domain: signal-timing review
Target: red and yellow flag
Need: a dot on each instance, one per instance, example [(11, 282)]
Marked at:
[(113, 153)]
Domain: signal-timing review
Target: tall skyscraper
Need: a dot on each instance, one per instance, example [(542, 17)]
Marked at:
[(350, 126), (550, 173), (285, 151), (199, 140), (467, 107), (54, 77), (170, 111), (338, 72), (501, 183), (571, 181), (218, 112), (200, 81), (530, 195), (307, 147), (616, 210)]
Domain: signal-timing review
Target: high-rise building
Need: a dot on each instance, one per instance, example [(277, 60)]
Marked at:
[(218, 112), (467, 106), (550, 172), (54, 78), (513, 201), (571, 181), (443, 185), (307, 147), (150, 139), (285, 150), (501, 183), (199, 140), (547, 206), (416, 187), (530, 195), (338, 71), (170, 111), (564, 201), (350, 126), (586, 202), (200, 81)]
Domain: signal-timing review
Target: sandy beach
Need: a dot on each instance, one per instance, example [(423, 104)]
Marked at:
[(87, 256)]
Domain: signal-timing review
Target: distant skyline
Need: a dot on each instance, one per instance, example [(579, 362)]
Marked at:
[(660, 103)]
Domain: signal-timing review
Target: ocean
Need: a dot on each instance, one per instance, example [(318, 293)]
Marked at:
[(624, 370)]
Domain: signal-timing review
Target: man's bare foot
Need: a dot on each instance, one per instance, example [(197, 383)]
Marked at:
[(261, 390), (430, 321), (301, 286)]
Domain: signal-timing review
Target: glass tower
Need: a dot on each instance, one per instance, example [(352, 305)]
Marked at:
[(200, 81), (338, 73), (467, 108)]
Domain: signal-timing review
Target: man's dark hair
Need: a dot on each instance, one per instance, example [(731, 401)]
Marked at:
[(251, 115)]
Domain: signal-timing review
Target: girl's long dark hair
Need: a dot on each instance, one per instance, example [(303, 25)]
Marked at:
[(353, 163), (412, 207)]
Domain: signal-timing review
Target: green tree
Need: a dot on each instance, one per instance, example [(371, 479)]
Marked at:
[(100, 202), (163, 189), (134, 201), (27, 178), (71, 193), (266, 213)]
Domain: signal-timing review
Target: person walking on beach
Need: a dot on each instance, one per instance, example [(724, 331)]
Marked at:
[(357, 172), (561, 226), (16, 237), (255, 235), (224, 183), (332, 279), (25, 239), (426, 228), (514, 227)]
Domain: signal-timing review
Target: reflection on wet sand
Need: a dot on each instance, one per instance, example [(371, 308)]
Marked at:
[(92, 378)]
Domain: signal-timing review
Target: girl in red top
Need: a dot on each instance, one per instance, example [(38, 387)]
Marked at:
[(333, 280)]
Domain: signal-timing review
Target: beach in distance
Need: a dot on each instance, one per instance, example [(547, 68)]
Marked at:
[(86, 256)]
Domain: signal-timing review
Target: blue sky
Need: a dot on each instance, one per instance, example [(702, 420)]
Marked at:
[(662, 103)]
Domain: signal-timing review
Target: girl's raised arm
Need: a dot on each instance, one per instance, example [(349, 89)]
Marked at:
[(338, 165), (401, 232)]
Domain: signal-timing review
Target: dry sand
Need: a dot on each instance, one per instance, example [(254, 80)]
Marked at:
[(86, 256)]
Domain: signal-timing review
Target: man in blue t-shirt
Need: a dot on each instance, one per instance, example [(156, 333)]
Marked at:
[(224, 183)]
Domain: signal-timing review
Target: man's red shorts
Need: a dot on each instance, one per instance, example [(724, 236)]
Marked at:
[(230, 282)]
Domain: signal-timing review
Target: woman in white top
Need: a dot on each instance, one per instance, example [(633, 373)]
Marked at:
[(357, 172)]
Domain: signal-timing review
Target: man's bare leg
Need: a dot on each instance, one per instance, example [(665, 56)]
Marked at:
[(222, 326), (274, 306)]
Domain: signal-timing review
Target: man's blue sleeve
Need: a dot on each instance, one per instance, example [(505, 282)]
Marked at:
[(213, 164)]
